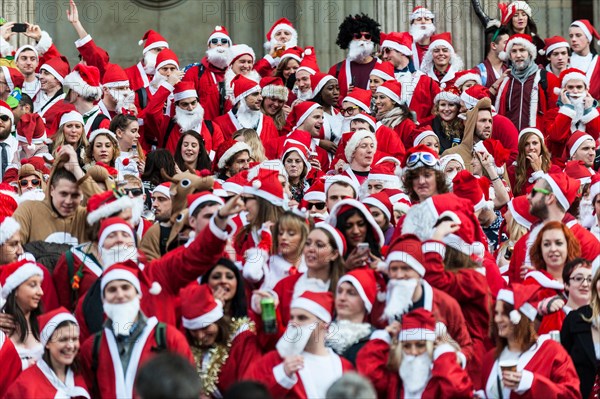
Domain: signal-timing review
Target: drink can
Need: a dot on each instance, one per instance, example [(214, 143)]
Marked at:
[(268, 315)]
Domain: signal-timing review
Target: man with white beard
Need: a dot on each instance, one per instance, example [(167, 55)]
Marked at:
[(425, 359), (116, 92), (421, 29), (280, 37), (358, 34), (208, 76)]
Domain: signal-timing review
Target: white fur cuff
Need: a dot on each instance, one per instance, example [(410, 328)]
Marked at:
[(44, 44), (5, 48), (590, 116), (567, 110)]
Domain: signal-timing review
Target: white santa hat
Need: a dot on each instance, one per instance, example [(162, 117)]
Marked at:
[(16, 273), (333, 179), (26, 47), (100, 131), (71, 116), (355, 140), (237, 50), (533, 130)]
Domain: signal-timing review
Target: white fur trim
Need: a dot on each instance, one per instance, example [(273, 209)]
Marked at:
[(119, 274), (381, 74), (544, 281), (282, 378), (307, 69), (205, 320), (529, 311), (533, 130), (246, 94), (234, 149), (401, 256), (422, 136), (105, 211), (579, 142), (53, 72), (155, 45), (447, 96), (417, 334), (506, 296), (379, 205), (121, 83), (264, 195), (382, 335), (585, 30), (287, 27), (51, 325), (443, 349), (339, 242), (255, 264), (19, 276), (312, 307), (396, 46), (393, 96), (356, 138), (421, 12), (185, 94), (529, 46), (76, 83), (8, 228), (465, 78), (306, 114), (434, 247), (525, 383), (518, 217), (101, 131), (470, 101), (44, 44), (166, 62), (82, 42), (274, 91), (322, 84), (456, 242), (6, 48), (333, 179), (365, 118), (111, 229), (72, 116), (590, 116), (164, 190), (360, 104), (201, 200), (7, 111), (560, 196), (575, 76), (566, 110), (315, 196), (217, 232), (234, 188), (557, 45), (359, 288)]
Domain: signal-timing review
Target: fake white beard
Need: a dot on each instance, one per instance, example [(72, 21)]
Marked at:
[(150, 62), (137, 210), (124, 98), (399, 298), (294, 340), (586, 213), (219, 56), (419, 32), (247, 117), (122, 315), (189, 120), (415, 372), (157, 79), (303, 95), (346, 124), (117, 254), (577, 102), (360, 49)]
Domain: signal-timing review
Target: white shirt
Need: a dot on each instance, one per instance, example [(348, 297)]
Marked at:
[(11, 150), (319, 373), (581, 63), (31, 88)]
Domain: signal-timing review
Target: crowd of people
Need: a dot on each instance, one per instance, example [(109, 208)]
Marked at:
[(395, 226)]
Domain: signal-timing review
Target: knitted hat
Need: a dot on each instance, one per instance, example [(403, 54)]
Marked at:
[(473, 94), (57, 67), (319, 304), (421, 156), (16, 273), (49, 321), (309, 61), (199, 308), (267, 186), (522, 39), (184, 89), (152, 40), (273, 87), (115, 76), (465, 185), (166, 57), (5, 110), (219, 33), (197, 199), (110, 225), (400, 41), (563, 187), (575, 141), (367, 118), (238, 50), (392, 89), (103, 205), (384, 70), (300, 112), (382, 202), (243, 87), (577, 170), (236, 183), (508, 10), (418, 325), (8, 225), (355, 140), (363, 281), (588, 29), (318, 82), (31, 130), (85, 81), (164, 189), (421, 12), (14, 78), (407, 249), (519, 208), (524, 300), (292, 52), (130, 272), (282, 24), (338, 237), (227, 150), (450, 94), (533, 130), (361, 98), (347, 204), (463, 77), (554, 42)]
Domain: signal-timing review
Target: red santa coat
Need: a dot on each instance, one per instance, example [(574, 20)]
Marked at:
[(345, 70), (593, 75), (265, 66), (448, 379), (11, 363), (112, 380), (244, 351), (267, 131), (39, 381), (404, 131), (548, 372), (207, 87), (269, 371), (507, 134), (93, 54), (420, 93)]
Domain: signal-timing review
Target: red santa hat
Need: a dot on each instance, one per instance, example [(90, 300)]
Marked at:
[(50, 321), (14, 78), (576, 140), (85, 81), (450, 94), (355, 140), (292, 52), (5, 110), (577, 170), (218, 189), (496, 150), (197, 199), (465, 185), (361, 98), (110, 225), (421, 12), (522, 39), (100, 131), (164, 189), (318, 82), (300, 112), (166, 57), (588, 29), (282, 24), (199, 308), (571, 74), (338, 237), (309, 61), (266, 185), (524, 300), (114, 76), (70, 116), (153, 40), (392, 89), (57, 67), (238, 50), (8, 225), (421, 156), (445, 160), (219, 33), (367, 118), (382, 202), (16, 273), (319, 304), (348, 204), (533, 130), (595, 186), (111, 171), (130, 272), (473, 94), (407, 249), (421, 133), (563, 187), (31, 130), (299, 149), (364, 282), (554, 42), (184, 89), (400, 41), (519, 208), (235, 184), (443, 39), (102, 205), (508, 10), (316, 192), (273, 87), (385, 171), (462, 77), (243, 87), (227, 150), (418, 325), (384, 70)]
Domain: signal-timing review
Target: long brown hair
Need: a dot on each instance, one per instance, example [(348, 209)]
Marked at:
[(523, 163), (524, 331), (573, 247), (336, 267), (89, 151), (595, 300)]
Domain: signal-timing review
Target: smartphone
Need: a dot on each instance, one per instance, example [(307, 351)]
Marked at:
[(19, 28), (362, 248)]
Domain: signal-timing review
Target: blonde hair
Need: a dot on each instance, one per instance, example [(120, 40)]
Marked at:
[(293, 222), (253, 140), (59, 140)]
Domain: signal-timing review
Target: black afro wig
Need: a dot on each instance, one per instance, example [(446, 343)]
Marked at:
[(354, 24)]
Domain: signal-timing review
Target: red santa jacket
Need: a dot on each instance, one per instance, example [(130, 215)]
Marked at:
[(269, 371), (507, 134), (265, 66), (39, 382), (267, 131), (207, 87), (11, 363), (110, 380), (448, 379), (244, 351), (421, 92), (404, 131), (548, 372), (343, 69), (593, 75)]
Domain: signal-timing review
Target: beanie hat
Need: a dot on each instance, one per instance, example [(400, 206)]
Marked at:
[(267, 186), (563, 187), (199, 308), (153, 40), (319, 304), (50, 321), (16, 273), (364, 282), (355, 140), (130, 272), (418, 324), (85, 81), (384, 70), (103, 205)]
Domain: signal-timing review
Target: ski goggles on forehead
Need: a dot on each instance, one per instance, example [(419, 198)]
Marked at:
[(422, 159)]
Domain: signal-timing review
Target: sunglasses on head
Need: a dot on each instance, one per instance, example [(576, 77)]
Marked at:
[(421, 158), (319, 205), (221, 40), (361, 35), (4, 118), (33, 182), (136, 192)]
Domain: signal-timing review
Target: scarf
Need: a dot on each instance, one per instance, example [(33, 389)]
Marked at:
[(522, 76)]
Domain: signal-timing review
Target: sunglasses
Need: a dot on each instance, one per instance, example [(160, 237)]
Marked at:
[(4, 118), (136, 192), (536, 190), (221, 40), (33, 182), (319, 205), (421, 159), (361, 35)]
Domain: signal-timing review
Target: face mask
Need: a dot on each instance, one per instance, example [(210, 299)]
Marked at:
[(122, 315)]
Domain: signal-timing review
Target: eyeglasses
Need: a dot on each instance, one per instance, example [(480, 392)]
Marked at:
[(221, 40), (319, 205), (536, 190), (365, 35), (33, 182), (348, 111), (579, 279), (421, 158), (136, 192), (4, 118)]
